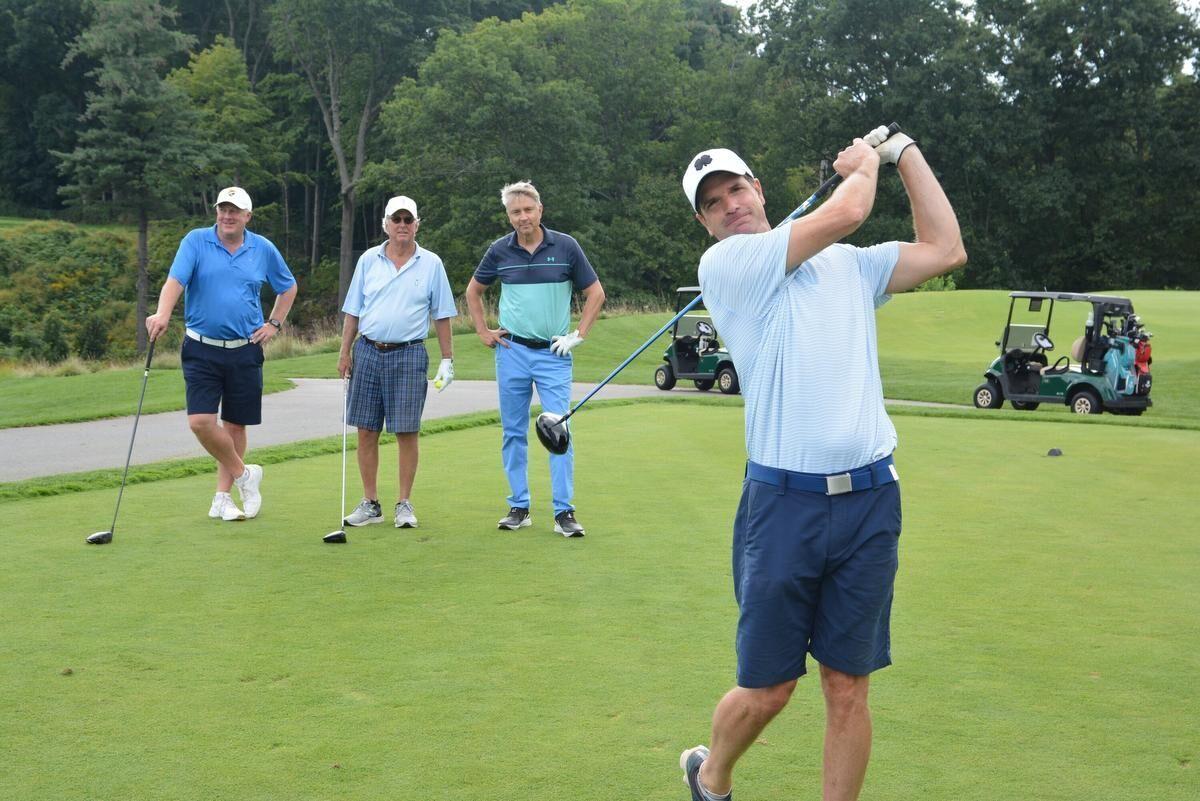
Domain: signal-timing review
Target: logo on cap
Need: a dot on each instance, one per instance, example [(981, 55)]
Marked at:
[(702, 162)]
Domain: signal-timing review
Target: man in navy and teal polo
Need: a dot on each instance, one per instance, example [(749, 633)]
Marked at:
[(538, 269), (219, 271)]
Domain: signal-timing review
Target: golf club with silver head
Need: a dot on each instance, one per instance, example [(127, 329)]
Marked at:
[(105, 537), (339, 536), (552, 430)]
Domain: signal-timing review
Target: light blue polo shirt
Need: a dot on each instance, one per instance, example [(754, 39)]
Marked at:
[(221, 289), (535, 288), (804, 348), (395, 305)]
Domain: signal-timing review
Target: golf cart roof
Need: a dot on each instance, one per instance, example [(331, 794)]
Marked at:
[(1108, 300)]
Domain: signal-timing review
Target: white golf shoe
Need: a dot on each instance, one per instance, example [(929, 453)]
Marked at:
[(405, 517), (248, 485), (224, 508)]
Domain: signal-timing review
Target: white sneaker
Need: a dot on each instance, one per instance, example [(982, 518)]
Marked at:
[(248, 484), (226, 509), (214, 511), (405, 517)]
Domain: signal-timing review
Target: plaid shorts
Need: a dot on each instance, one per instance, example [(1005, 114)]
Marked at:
[(387, 386)]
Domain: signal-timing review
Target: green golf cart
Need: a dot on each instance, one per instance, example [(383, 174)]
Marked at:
[(695, 354), (1107, 367)]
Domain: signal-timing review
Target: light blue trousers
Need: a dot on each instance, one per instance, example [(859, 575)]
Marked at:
[(518, 370)]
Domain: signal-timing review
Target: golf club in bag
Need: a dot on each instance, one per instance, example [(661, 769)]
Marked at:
[(105, 537), (339, 536), (552, 429)]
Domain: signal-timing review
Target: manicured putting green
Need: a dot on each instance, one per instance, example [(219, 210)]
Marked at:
[(1044, 631)]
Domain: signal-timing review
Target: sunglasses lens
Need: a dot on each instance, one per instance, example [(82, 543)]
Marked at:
[(407, 219)]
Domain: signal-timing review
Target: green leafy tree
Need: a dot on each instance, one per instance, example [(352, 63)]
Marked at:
[(142, 150), (230, 112)]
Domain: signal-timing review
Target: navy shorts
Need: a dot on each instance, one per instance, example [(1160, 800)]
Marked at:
[(814, 573), (388, 386), (231, 378)]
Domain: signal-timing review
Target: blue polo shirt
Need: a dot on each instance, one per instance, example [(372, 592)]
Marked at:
[(803, 344), (535, 288), (395, 305), (221, 289)]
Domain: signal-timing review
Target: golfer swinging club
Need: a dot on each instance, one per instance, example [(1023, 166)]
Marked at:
[(816, 532)]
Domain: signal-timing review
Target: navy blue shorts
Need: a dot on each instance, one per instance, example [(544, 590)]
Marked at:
[(388, 386), (230, 378), (814, 573)]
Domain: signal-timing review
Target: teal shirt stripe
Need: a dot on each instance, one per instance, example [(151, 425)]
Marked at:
[(536, 311)]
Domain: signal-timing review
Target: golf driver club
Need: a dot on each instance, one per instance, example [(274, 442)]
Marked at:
[(552, 428), (339, 536), (105, 537)]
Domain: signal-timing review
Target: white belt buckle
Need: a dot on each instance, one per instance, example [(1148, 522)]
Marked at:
[(839, 484)]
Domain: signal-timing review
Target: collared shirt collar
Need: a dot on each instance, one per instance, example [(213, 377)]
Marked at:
[(548, 239), (415, 256), (215, 238)]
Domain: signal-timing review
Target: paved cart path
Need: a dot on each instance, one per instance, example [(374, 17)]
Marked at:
[(309, 411)]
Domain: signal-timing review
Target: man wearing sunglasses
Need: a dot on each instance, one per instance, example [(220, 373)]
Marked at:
[(397, 287)]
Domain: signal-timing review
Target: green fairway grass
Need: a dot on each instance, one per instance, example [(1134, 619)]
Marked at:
[(1043, 636), (933, 346)]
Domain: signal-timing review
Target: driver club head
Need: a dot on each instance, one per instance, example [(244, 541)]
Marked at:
[(338, 537), (552, 432), (100, 538)]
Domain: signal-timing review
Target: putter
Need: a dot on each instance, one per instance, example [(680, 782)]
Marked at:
[(552, 430), (339, 536), (105, 537)]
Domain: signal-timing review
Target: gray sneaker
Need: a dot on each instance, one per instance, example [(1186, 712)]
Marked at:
[(365, 513), (405, 518), (690, 761), (566, 524), (515, 519)]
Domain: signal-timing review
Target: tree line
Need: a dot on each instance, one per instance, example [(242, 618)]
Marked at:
[(1060, 130)]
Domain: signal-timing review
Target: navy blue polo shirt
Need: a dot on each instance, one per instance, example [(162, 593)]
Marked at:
[(221, 289), (535, 288)]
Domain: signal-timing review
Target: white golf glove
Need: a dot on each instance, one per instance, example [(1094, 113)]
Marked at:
[(561, 346), (445, 374), (889, 150)]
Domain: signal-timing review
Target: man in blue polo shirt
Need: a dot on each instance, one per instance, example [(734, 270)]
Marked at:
[(219, 271), (538, 270), (396, 288), (816, 533)]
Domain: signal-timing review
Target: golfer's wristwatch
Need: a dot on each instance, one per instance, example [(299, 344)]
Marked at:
[(278, 325)]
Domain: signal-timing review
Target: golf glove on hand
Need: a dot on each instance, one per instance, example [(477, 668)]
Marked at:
[(889, 150), (561, 346), (445, 374)]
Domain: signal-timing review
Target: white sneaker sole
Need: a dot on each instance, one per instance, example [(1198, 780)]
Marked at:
[(683, 760), (230, 518), (369, 521), (523, 524), (558, 530), (407, 524)]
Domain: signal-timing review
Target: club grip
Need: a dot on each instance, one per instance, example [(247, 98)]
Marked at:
[(149, 354)]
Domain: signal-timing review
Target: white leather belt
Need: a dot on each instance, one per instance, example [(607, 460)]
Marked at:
[(220, 343)]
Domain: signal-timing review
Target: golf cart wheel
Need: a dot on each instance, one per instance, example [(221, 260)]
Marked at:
[(727, 380), (988, 396), (1025, 406), (1086, 401), (664, 377), (704, 385)]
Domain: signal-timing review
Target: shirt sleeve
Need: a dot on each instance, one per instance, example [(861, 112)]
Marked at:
[(877, 263), (486, 272), (185, 259), (354, 302), (743, 272), (441, 298), (278, 275), (582, 273)]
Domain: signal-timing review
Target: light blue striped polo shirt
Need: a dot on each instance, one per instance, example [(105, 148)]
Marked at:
[(804, 348), (395, 305)]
